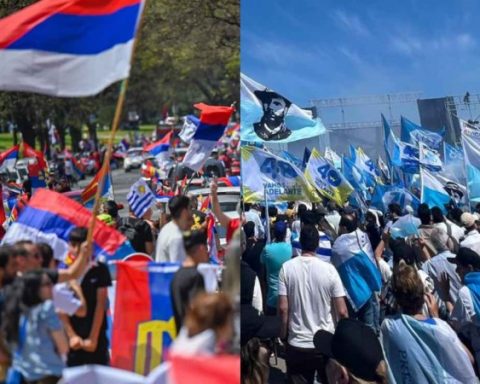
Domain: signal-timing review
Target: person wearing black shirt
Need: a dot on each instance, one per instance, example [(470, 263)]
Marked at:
[(88, 335), (188, 282)]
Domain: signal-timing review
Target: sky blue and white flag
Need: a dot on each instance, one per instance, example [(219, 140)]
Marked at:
[(383, 195), (352, 255), (384, 169), (400, 154), (268, 116), (471, 150), (293, 159), (355, 177), (266, 176), (415, 134), (306, 157), (454, 163), (333, 157), (368, 168), (456, 190), (140, 198), (429, 158), (433, 192)]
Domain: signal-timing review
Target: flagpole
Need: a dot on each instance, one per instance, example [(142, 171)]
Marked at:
[(115, 125)]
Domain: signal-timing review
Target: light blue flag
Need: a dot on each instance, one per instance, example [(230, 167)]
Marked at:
[(454, 163), (429, 158), (471, 148), (355, 177), (399, 153), (414, 134), (433, 192), (384, 195), (291, 158), (366, 166), (267, 116)]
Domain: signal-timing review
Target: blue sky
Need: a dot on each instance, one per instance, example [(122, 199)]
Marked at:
[(309, 49)]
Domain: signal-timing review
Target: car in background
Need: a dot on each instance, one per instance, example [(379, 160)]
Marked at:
[(133, 159)]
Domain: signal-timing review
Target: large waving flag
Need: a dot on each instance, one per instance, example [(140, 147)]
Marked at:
[(9, 157), (265, 175), (327, 179), (88, 194), (160, 148), (293, 159), (433, 192), (26, 150), (471, 150), (355, 177), (268, 116), (365, 165), (454, 163), (50, 216), (400, 154), (144, 325), (333, 157), (429, 158), (415, 134), (383, 195), (68, 48), (213, 121)]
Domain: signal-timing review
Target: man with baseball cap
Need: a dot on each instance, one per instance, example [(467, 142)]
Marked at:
[(466, 310), (472, 237)]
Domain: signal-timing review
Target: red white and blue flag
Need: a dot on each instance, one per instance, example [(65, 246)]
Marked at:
[(213, 121), (50, 216), (69, 48), (159, 149), (9, 157)]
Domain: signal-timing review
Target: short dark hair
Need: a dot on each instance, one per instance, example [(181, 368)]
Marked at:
[(46, 252), (247, 206), (111, 208), (6, 251), (437, 215), (191, 239), (78, 235), (424, 214), (177, 204), (308, 218), (350, 222), (395, 208), (309, 238), (302, 208), (272, 211), (249, 229)]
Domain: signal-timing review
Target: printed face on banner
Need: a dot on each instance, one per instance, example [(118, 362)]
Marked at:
[(272, 124)]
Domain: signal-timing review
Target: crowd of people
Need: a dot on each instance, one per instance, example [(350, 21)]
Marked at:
[(344, 297)]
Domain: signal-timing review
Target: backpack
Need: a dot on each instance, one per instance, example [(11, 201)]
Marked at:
[(131, 229)]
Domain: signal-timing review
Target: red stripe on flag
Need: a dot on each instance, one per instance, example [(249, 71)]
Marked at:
[(223, 369), (214, 114)]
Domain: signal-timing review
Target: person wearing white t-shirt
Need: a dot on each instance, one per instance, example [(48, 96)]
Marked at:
[(307, 288), (170, 246), (472, 236)]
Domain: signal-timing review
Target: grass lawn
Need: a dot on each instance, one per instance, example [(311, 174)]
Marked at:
[(6, 139)]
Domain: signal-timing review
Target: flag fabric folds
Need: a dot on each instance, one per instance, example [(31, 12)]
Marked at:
[(327, 179), (471, 150), (50, 216), (268, 176), (268, 116), (399, 154), (383, 195), (220, 369), (433, 192), (415, 134), (189, 128), (26, 150), (144, 325), (454, 165), (213, 121), (429, 158), (333, 157), (89, 192), (70, 48), (9, 157), (140, 198), (365, 165), (160, 148)]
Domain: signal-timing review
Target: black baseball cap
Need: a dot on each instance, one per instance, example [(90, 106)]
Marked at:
[(354, 345), (256, 325), (466, 256)]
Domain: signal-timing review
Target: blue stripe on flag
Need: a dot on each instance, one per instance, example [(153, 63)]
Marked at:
[(81, 35), (209, 132)]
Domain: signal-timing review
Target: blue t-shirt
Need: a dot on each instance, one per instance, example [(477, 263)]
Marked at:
[(38, 357), (273, 256)]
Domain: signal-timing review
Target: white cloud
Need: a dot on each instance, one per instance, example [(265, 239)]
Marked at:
[(411, 45), (350, 22)]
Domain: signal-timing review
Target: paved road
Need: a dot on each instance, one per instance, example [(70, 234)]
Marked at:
[(121, 185)]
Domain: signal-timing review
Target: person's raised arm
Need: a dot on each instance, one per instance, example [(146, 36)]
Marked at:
[(222, 218)]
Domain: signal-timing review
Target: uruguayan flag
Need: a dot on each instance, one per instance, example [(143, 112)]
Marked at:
[(352, 255), (471, 149), (433, 192), (140, 198), (268, 116)]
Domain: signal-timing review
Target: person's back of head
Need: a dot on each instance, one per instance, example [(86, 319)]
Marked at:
[(177, 204), (402, 252), (456, 214), (348, 223), (437, 215), (280, 231), (111, 208), (302, 208), (46, 252), (78, 235), (309, 218), (309, 238), (408, 289), (395, 209), (249, 229), (424, 214), (195, 243), (272, 211), (247, 206)]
